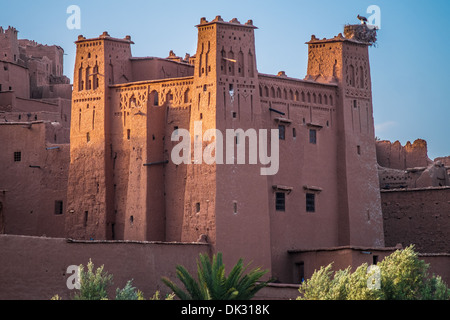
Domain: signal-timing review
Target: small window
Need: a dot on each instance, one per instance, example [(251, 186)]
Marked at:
[(310, 202), (235, 207), (128, 134), (280, 201), (282, 131), (358, 149), (313, 136), (234, 115), (17, 156), (88, 137), (197, 207), (294, 133), (86, 214), (375, 260), (300, 272), (58, 207)]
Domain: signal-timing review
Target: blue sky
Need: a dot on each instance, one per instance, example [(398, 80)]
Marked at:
[(410, 66)]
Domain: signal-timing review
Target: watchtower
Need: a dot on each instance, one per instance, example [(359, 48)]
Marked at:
[(100, 62), (345, 61)]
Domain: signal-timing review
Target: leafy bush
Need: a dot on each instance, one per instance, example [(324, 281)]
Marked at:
[(213, 284), (129, 293), (93, 284), (403, 276), (344, 285)]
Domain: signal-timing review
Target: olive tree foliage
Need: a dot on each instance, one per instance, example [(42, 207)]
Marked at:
[(402, 276)]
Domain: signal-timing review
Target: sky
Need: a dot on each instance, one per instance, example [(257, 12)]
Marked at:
[(410, 65)]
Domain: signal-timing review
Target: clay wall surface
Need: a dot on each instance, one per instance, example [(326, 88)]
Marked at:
[(305, 107), (36, 267), (14, 77), (439, 264), (396, 156), (34, 180), (417, 216), (152, 68)]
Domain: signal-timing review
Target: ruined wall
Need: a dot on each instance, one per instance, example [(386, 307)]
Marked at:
[(396, 156), (35, 267), (417, 216)]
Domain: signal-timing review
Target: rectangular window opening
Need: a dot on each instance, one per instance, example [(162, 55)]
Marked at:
[(280, 201), (312, 136), (58, 207), (17, 156), (282, 131), (375, 260), (310, 202), (197, 207), (299, 272)]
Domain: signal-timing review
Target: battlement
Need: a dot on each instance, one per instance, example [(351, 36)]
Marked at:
[(105, 36), (10, 30), (234, 22), (359, 33)]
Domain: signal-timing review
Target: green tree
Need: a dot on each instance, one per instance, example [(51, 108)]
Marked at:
[(340, 285), (213, 284), (403, 276)]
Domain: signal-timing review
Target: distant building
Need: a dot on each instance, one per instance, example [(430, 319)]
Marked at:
[(35, 106)]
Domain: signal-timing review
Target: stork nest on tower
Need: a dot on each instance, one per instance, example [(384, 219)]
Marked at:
[(362, 33)]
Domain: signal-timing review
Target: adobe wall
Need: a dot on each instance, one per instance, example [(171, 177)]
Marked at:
[(417, 216), (14, 77), (152, 68), (396, 156), (35, 267), (33, 183)]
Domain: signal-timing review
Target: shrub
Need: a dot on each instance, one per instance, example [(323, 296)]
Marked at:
[(403, 276), (93, 285), (213, 284)]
